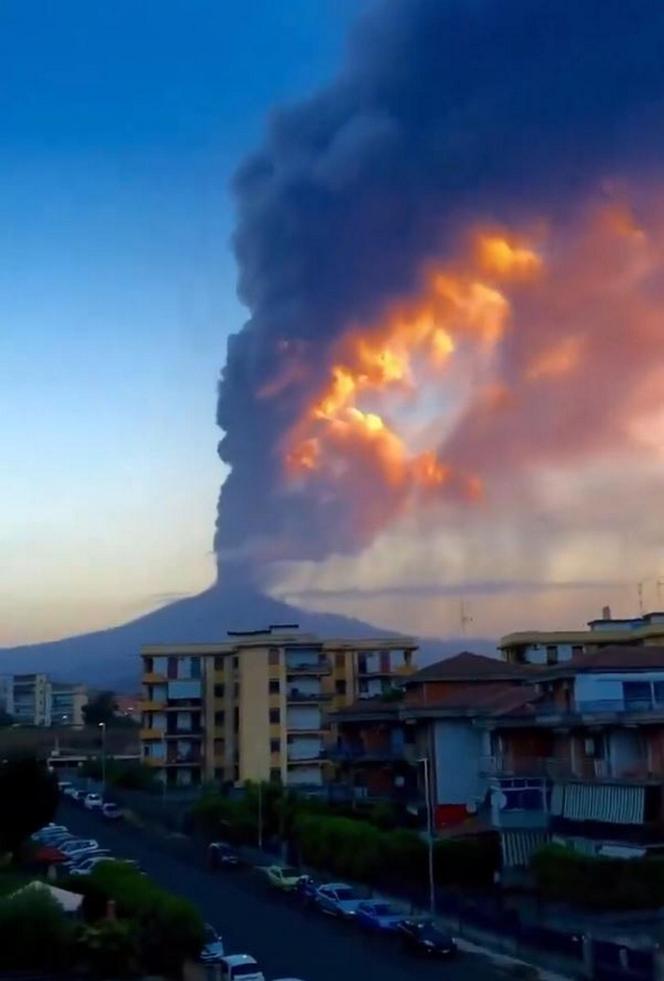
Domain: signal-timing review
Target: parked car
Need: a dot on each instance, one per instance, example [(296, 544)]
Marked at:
[(338, 899), (213, 947), (93, 802), (240, 966), (64, 785), (85, 865), (306, 890), (222, 855), (111, 811), (77, 846), (50, 831), (78, 796), (282, 877), (422, 936), (379, 916)]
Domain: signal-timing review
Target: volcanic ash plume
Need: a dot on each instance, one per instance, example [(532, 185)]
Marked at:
[(439, 251)]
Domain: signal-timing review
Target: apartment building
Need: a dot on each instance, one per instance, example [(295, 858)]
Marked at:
[(256, 707), (36, 700), (585, 764), (548, 647), (384, 746)]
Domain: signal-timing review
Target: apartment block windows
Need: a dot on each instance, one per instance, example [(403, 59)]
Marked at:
[(219, 718), (275, 717), (236, 719), (218, 663), (236, 690), (273, 656), (195, 667), (340, 687), (219, 691), (236, 661), (551, 654), (339, 660), (274, 686), (148, 665), (637, 695), (172, 667), (275, 745)]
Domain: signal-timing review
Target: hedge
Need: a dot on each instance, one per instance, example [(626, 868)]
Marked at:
[(168, 929), (602, 883), (34, 933)]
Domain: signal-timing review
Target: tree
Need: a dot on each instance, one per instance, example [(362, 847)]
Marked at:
[(102, 708), (29, 795)]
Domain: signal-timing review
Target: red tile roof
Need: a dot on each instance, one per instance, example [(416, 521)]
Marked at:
[(467, 666), (490, 699), (615, 657)]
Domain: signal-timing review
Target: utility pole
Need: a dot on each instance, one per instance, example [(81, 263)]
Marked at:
[(427, 794), (102, 726)]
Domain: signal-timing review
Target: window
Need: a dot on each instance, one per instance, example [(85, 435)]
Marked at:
[(236, 689), (148, 665), (637, 694), (236, 661), (340, 687), (577, 650), (219, 691), (275, 717), (195, 667), (275, 745), (339, 660), (274, 686), (236, 719), (273, 656), (219, 747), (172, 667), (219, 718), (364, 685), (659, 692), (219, 663), (551, 654), (362, 663)]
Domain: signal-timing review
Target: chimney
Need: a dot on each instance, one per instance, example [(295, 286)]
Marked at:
[(606, 613)]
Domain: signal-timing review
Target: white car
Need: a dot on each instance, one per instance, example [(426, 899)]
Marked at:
[(212, 950), (338, 899), (93, 802), (234, 967), (77, 845), (87, 864)]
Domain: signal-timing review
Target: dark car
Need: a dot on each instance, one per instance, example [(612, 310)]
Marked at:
[(423, 937), (306, 890), (222, 855)]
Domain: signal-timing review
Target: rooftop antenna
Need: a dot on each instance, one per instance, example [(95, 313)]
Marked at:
[(660, 583), (464, 617)]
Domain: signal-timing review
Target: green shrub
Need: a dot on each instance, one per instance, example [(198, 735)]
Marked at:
[(169, 929), (109, 948), (34, 932), (603, 883)]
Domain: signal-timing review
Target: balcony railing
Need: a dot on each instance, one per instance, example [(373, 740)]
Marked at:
[(314, 756), (193, 731), (361, 754), (318, 668), (306, 696), (184, 758), (595, 770)]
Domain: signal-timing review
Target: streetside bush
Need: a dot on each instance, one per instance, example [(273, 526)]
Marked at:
[(109, 948), (169, 928), (34, 932), (603, 883), (467, 861)]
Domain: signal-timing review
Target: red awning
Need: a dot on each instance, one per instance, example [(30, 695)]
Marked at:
[(49, 856)]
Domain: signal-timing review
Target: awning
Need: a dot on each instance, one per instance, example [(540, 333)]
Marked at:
[(611, 803), (518, 847)]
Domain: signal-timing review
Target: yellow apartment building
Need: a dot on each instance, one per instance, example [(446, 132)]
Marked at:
[(554, 646), (255, 707)]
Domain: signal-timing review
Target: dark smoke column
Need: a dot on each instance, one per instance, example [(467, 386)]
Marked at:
[(446, 112)]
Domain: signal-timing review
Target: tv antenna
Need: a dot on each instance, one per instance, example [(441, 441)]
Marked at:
[(464, 617)]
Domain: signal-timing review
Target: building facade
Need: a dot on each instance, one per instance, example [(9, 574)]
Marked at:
[(256, 707), (36, 700), (549, 647)]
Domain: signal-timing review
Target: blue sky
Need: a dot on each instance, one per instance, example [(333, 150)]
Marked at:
[(121, 125)]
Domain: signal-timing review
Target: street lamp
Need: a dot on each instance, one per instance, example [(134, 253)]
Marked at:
[(102, 726), (424, 760)]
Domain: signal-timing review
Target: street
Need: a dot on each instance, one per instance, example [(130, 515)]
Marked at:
[(286, 940)]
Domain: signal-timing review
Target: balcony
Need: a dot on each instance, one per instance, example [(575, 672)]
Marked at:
[(146, 735), (586, 770), (303, 696), (317, 669), (315, 756), (154, 678), (362, 754), (183, 759), (151, 706), (183, 733)]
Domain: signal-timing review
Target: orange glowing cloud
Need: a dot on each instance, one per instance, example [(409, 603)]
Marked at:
[(342, 435)]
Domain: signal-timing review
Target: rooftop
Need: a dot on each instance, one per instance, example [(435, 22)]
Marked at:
[(617, 657), (467, 666)]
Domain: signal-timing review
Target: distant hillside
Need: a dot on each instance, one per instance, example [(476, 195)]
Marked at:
[(109, 657)]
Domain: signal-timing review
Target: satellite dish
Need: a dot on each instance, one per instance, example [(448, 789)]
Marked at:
[(498, 799)]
